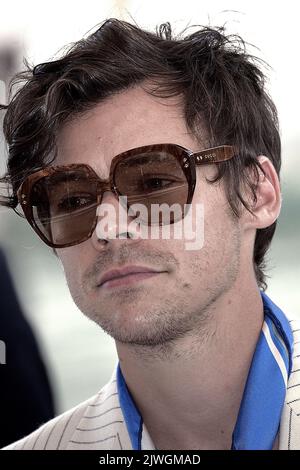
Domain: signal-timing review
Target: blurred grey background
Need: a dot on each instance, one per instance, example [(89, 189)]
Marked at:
[(80, 357)]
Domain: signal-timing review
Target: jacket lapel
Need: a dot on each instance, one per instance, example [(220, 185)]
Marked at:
[(102, 426)]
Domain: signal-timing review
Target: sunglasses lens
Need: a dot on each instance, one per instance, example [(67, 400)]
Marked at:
[(151, 179), (64, 206), (64, 203)]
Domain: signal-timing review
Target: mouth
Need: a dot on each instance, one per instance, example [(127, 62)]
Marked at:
[(127, 276), (127, 280)]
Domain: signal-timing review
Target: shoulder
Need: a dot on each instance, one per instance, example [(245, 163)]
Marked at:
[(58, 433), (290, 420), (52, 434), (294, 380)]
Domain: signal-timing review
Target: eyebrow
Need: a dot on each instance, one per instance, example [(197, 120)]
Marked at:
[(64, 176), (141, 159)]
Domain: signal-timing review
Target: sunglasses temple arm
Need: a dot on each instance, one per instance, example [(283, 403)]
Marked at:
[(214, 155)]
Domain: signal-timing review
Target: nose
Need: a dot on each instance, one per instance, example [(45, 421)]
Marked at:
[(113, 222)]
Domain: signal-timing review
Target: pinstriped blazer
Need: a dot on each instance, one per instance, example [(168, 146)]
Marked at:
[(98, 423)]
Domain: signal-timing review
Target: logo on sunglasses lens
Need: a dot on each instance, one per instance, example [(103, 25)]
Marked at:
[(159, 221)]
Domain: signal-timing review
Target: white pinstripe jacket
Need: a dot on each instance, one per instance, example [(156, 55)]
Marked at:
[(98, 423)]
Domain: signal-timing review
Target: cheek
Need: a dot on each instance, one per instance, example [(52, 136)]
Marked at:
[(70, 261), (221, 237), (211, 213)]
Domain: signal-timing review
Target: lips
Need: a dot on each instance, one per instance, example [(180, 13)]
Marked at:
[(120, 273)]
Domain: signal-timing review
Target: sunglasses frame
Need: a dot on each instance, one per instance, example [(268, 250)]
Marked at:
[(186, 158)]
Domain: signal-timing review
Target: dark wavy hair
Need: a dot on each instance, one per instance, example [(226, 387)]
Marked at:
[(222, 86)]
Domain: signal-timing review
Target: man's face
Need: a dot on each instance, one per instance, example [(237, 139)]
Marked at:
[(174, 302)]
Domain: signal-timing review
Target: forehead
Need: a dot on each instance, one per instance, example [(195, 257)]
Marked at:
[(126, 120)]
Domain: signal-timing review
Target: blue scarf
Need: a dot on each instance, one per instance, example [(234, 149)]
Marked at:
[(261, 406)]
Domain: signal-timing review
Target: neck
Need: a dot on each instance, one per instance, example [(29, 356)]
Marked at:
[(189, 393)]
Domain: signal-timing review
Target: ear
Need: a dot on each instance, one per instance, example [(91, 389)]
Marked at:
[(267, 207)]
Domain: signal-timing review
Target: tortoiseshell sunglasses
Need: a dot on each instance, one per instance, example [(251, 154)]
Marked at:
[(60, 202)]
